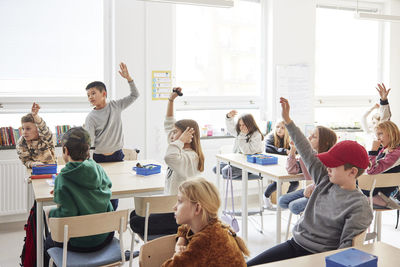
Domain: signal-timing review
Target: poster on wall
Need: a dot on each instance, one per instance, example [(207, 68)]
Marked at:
[(294, 83), (161, 84)]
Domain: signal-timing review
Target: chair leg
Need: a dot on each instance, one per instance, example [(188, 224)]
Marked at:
[(379, 223), (132, 249), (288, 225), (260, 201)]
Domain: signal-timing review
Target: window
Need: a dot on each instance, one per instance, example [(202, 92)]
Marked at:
[(218, 50), (348, 64), (347, 53), (43, 46)]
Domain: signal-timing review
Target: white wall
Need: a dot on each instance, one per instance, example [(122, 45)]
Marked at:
[(394, 62), (289, 38)]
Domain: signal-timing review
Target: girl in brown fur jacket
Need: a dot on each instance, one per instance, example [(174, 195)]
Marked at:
[(203, 240)]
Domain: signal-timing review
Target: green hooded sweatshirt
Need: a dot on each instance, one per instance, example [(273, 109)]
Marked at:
[(82, 188)]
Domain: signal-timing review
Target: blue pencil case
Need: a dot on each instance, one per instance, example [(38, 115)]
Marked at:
[(148, 169), (266, 160), (351, 258), (44, 169), (252, 158)]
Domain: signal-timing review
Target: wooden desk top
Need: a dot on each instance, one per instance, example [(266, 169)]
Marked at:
[(388, 256), (274, 170), (124, 180)]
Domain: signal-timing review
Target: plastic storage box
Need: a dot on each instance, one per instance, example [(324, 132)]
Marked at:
[(351, 258), (266, 160), (44, 169), (252, 158), (148, 169)]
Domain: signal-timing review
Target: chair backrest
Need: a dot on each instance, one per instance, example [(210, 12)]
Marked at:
[(86, 225), (368, 182), (154, 253), (157, 204), (130, 154), (359, 239)]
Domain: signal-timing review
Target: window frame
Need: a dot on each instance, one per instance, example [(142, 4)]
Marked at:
[(321, 101), (65, 103), (220, 102)]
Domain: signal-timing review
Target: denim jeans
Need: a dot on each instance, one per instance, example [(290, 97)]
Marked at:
[(272, 188), (295, 201)]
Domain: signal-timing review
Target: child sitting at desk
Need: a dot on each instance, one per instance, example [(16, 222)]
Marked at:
[(336, 211), (184, 158), (81, 188), (321, 140), (277, 142), (203, 240), (248, 140), (36, 145), (385, 158)]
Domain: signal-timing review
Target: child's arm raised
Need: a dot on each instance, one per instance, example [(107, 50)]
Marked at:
[(230, 122), (126, 101), (384, 109), (314, 166), (169, 118), (44, 131)]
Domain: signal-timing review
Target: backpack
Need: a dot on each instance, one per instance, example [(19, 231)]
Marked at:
[(28, 255)]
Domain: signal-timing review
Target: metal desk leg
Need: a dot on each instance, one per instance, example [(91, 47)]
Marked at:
[(39, 233), (244, 205), (218, 172), (278, 212)]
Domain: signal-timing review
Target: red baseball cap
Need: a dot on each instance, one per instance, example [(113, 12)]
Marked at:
[(345, 152)]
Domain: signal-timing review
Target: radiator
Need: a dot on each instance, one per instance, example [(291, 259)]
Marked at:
[(13, 188)]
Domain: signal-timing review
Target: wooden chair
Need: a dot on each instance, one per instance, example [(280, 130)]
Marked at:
[(370, 182), (146, 205), (130, 154), (359, 239), (62, 229), (154, 253)]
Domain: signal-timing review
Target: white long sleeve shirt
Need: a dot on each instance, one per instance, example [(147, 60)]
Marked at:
[(244, 144), (182, 162)]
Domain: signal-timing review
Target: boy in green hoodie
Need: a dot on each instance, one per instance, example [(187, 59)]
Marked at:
[(81, 188)]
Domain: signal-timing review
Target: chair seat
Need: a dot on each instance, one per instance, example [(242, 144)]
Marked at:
[(251, 176), (109, 254)]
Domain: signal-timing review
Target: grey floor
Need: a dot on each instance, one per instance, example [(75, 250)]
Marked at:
[(12, 235)]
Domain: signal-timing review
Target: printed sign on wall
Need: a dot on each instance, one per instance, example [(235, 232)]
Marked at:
[(161, 84)]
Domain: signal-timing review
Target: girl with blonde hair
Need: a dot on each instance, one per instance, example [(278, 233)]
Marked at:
[(203, 240), (385, 158)]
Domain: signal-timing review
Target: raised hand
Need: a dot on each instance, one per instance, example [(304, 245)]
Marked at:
[(187, 135), (35, 108), (174, 95), (124, 72), (383, 93), (232, 114), (285, 110), (292, 150)]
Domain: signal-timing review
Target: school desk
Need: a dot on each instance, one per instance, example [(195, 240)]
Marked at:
[(388, 256), (275, 172), (125, 184)]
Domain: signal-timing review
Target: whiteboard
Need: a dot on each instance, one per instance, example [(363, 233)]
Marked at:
[(294, 83)]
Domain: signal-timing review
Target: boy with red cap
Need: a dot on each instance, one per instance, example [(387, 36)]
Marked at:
[(337, 210)]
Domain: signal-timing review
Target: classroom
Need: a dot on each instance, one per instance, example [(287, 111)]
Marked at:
[(332, 60)]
